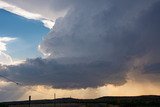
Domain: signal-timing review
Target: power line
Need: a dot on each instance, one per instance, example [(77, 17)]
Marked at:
[(9, 80), (20, 84)]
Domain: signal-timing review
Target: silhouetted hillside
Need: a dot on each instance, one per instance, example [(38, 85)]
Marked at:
[(137, 101)]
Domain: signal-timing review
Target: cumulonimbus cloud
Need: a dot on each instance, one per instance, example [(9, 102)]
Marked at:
[(95, 44)]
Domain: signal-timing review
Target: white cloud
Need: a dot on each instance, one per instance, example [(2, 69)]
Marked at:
[(17, 62), (2, 46), (6, 39), (3, 41), (29, 15), (5, 59), (50, 9), (48, 23)]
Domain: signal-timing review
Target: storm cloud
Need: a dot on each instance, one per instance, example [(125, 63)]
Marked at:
[(95, 44)]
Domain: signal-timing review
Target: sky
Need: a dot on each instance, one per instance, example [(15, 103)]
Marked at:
[(82, 48), (28, 34)]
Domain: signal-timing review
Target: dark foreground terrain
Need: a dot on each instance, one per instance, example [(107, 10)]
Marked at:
[(139, 101)]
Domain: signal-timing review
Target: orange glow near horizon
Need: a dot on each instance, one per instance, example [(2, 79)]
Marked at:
[(133, 87), (130, 88)]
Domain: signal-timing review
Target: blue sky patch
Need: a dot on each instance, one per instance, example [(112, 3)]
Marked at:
[(28, 32)]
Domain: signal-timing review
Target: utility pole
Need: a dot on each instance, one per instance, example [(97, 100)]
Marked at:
[(54, 105), (29, 101), (54, 95)]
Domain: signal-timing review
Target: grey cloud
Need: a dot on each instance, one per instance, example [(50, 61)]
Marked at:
[(10, 92), (52, 9), (49, 72), (94, 44), (152, 68)]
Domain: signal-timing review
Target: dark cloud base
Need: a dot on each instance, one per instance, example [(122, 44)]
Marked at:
[(49, 72)]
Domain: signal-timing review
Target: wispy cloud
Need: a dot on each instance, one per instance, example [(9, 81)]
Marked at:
[(29, 15), (3, 42), (5, 59), (6, 39)]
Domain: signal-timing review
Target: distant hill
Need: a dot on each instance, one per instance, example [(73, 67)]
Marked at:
[(145, 101)]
